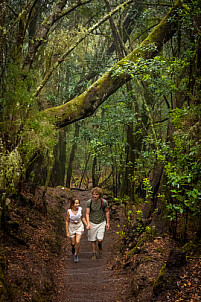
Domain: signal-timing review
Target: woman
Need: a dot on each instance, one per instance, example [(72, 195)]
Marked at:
[(75, 226)]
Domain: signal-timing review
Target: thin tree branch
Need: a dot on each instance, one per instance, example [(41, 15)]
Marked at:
[(162, 121), (79, 3), (12, 10), (166, 101), (30, 12)]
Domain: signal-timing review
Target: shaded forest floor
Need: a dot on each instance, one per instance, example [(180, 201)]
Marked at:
[(37, 265)]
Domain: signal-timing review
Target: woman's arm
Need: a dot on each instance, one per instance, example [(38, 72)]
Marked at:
[(83, 218), (67, 221), (87, 218)]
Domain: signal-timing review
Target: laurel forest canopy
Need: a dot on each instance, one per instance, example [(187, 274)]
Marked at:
[(103, 93)]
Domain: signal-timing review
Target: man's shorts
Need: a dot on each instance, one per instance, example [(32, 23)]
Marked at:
[(97, 231), (75, 229)]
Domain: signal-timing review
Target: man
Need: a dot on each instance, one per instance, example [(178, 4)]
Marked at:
[(97, 217)]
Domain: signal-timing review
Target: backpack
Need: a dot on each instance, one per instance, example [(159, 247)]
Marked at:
[(102, 205)]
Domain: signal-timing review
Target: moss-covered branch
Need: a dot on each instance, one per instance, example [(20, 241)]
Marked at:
[(85, 104)]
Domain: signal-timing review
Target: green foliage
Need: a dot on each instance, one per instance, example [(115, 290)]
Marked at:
[(178, 116), (121, 232), (148, 188), (39, 135), (17, 100), (183, 168), (10, 170), (103, 136), (26, 131)]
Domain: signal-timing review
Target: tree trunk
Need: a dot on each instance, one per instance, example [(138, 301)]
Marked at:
[(58, 171), (72, 156), (83, 173), (128, 188), (94, 176)]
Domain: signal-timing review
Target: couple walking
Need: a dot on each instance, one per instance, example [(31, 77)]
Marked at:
[(96, 221)]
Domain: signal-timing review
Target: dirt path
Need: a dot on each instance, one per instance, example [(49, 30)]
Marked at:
[(90, 280)]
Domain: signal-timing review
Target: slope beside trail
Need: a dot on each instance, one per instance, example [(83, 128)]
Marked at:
[(90, 280)]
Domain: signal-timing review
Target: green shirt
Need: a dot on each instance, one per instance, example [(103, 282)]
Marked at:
[(97, 214)]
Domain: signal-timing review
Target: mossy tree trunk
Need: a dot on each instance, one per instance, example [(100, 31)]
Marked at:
[(58, 171), (72, 155)]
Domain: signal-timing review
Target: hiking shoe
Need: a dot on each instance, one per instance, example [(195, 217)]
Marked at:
[(100, 248), (76, 260), (93, 256), (73, 249)]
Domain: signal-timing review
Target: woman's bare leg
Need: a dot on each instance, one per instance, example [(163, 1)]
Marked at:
[(77, 243)]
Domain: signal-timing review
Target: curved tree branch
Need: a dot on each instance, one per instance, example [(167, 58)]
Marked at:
[(85, 104)]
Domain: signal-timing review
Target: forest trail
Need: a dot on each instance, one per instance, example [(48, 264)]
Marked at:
[(90, 280)]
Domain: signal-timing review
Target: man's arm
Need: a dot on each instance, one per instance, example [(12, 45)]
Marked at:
[(107, 214)]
